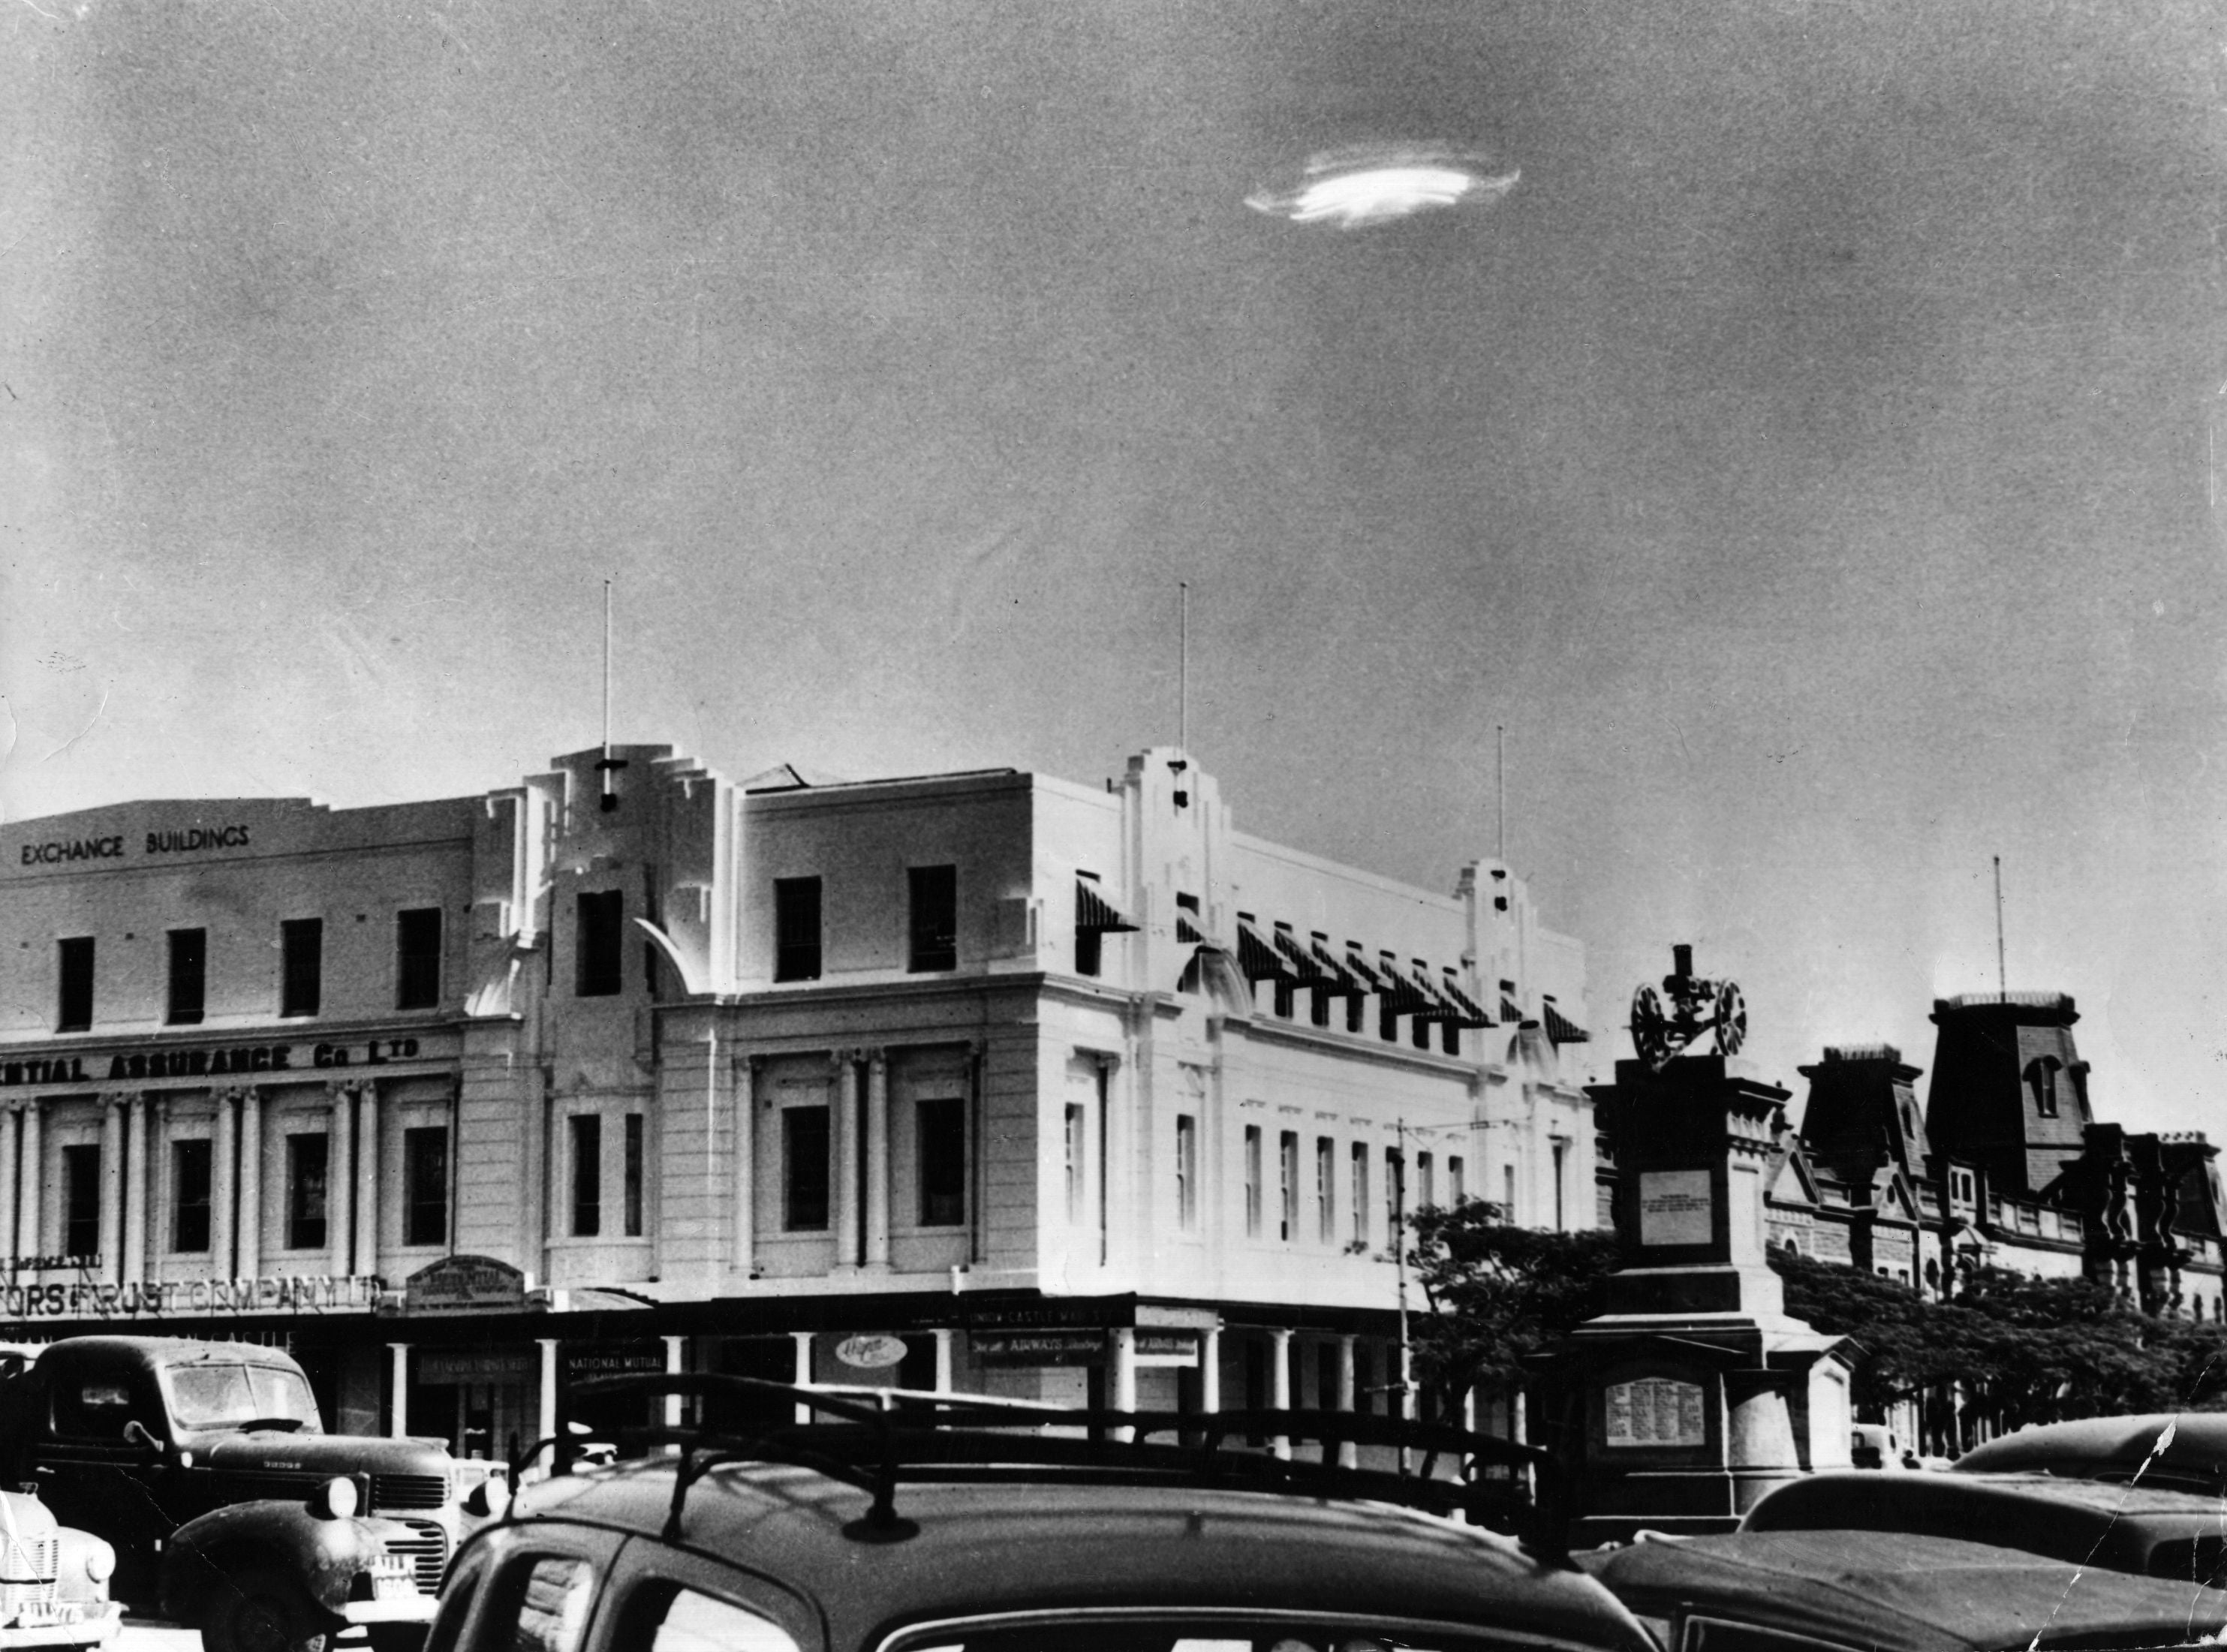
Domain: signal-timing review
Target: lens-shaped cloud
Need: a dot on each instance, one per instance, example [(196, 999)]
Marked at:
[(1382, 183)]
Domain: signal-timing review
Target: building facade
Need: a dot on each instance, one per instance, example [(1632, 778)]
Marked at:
[(985, 1081)]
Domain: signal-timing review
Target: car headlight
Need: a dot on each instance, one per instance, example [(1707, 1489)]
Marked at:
[(335, 1500), (99, 1561)]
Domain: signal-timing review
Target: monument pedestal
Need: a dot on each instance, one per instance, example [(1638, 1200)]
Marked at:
[(1695, 1393)]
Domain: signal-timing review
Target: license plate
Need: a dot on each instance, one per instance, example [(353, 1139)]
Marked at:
[(384, 1587)]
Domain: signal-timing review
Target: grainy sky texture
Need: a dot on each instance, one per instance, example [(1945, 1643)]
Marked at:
[(1810, 460)]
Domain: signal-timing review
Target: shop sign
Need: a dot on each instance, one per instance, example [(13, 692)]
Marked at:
[(1167, 1347), (1019, 1317), (465, 1285), (871, 1353), (452, 1366), (1038, 1347), (588, 1360), (163, 1298), (222, 1061)]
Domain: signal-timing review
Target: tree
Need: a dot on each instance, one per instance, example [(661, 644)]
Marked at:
[(1497, 1292)]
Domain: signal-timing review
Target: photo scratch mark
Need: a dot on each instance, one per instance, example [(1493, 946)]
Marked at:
[(98, 711)]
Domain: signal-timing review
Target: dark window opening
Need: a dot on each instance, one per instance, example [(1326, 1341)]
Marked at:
[(632, 1213), (1388, 1022), (1449, 1038), (417, 958), (1287, 1000), (301, 971), (1090, 953), (188, 976), (804, 1169), (82, 1200), (933, 892), (598, 958), (307, 1159), (587, 1174), (75, 957), (190, 1163), (425, 1185), (941, 1127), (1357, 1013), (796, 929)]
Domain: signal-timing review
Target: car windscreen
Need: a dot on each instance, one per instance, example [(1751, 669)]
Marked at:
[(1146, 1631), (232, 1396)]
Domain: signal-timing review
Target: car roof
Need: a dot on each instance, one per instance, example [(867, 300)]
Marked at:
[(1069, 1542), (2100, 1446), (2116, 1526), (166, 1350), (1896, 1592)]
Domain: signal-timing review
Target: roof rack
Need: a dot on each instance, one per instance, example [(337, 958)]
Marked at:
[(970, 1438)]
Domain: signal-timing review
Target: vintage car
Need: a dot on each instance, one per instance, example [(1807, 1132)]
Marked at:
[(966, 1529), (1889, 1591), (2156, 1532), (2187, 1451), (53, 1580), (207, 1467)]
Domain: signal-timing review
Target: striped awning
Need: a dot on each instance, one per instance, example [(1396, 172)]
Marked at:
[(1258, 957), (1094, 913), (1510, 1010), (1338, 977), (1363, 972), (1187, 932), (1563, 1031), (1403, 992), (1471, 1013), (1305, 968)]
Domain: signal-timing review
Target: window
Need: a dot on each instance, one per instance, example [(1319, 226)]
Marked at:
[(1426, 1186), (1286, 998), (1186, 1171), (301, 968), (1456, 1190), (1356, 1012), (1075, 1204), (631, 1190), (587, 1174), (2043, 1070), (796, 929), (598, 960), (1287, 1187), (1508, 1193), (551, 1610), (1089, 940), (190, 1194), (939, 1130), (1326, 1189), (1387, 1021), (1561, 1160), (425, 1185), (1253, 1181), (1318, 1007), (1450, 1037), (307, 1158), (1360, 1200), (1960, 1187), (82, 1200), (804, 1167), (74, 961), (933, 892), (664, 1618), (188, 976), (1395, 1191), (418, 959)]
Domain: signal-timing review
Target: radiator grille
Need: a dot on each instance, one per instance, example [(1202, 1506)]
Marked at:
[(428, 1548), (408, 1491), (27, 1566)]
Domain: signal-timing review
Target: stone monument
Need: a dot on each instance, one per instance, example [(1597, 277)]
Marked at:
[(1694, 1393)]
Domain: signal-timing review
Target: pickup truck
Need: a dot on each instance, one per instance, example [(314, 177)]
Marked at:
[(207, 1467)]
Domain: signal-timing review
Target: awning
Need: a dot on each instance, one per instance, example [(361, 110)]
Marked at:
[(1471, 1013), (1094, 913), (1563, 1031), (1187, 932), (1510, 1010), (1258, 957), (1363, 972), (1300, 959), (1403, 994), (1338, 977)]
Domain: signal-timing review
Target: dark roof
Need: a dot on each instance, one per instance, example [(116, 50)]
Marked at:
[(1893, 1592), (1046, 1544), (2121, 1528), (2104, 1448), (169, 1350)]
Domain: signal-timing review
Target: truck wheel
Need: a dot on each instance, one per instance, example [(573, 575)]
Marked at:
[(262, 1612)]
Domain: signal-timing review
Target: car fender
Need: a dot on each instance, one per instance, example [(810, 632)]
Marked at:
[(325, 1553)]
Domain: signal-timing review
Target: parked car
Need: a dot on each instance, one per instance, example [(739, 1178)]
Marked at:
[(2160, 1533), (927, 1527), (207, 1468), (1887, 1592), (2187, 1451), (53, 1580)]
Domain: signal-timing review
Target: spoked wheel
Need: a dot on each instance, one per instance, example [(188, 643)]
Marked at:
[(263, 1611), (1732, 1020), (1650, 1027)]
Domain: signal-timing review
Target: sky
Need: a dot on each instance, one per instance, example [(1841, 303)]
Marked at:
[(1810, 459)]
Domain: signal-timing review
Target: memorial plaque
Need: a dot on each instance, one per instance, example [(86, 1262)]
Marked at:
[(1675, 1208), (1656, 1411)]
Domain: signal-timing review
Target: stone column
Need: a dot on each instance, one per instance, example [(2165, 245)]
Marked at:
[(397, 1360), (31, 1175), (9, 1116), (745, 1170), (843, 1144), (1279, 1384), (250, 1240), (365, 1189), (878, 1159), (1349, 1454), (1210, 1370), (1121, 1379), (223, 1141), (140, 1177), (801, 1373), (111, 1187), (547, 1427), (944, 1340), (339, 1180)]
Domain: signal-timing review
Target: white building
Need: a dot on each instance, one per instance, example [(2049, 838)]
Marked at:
[(1004, 1082)]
